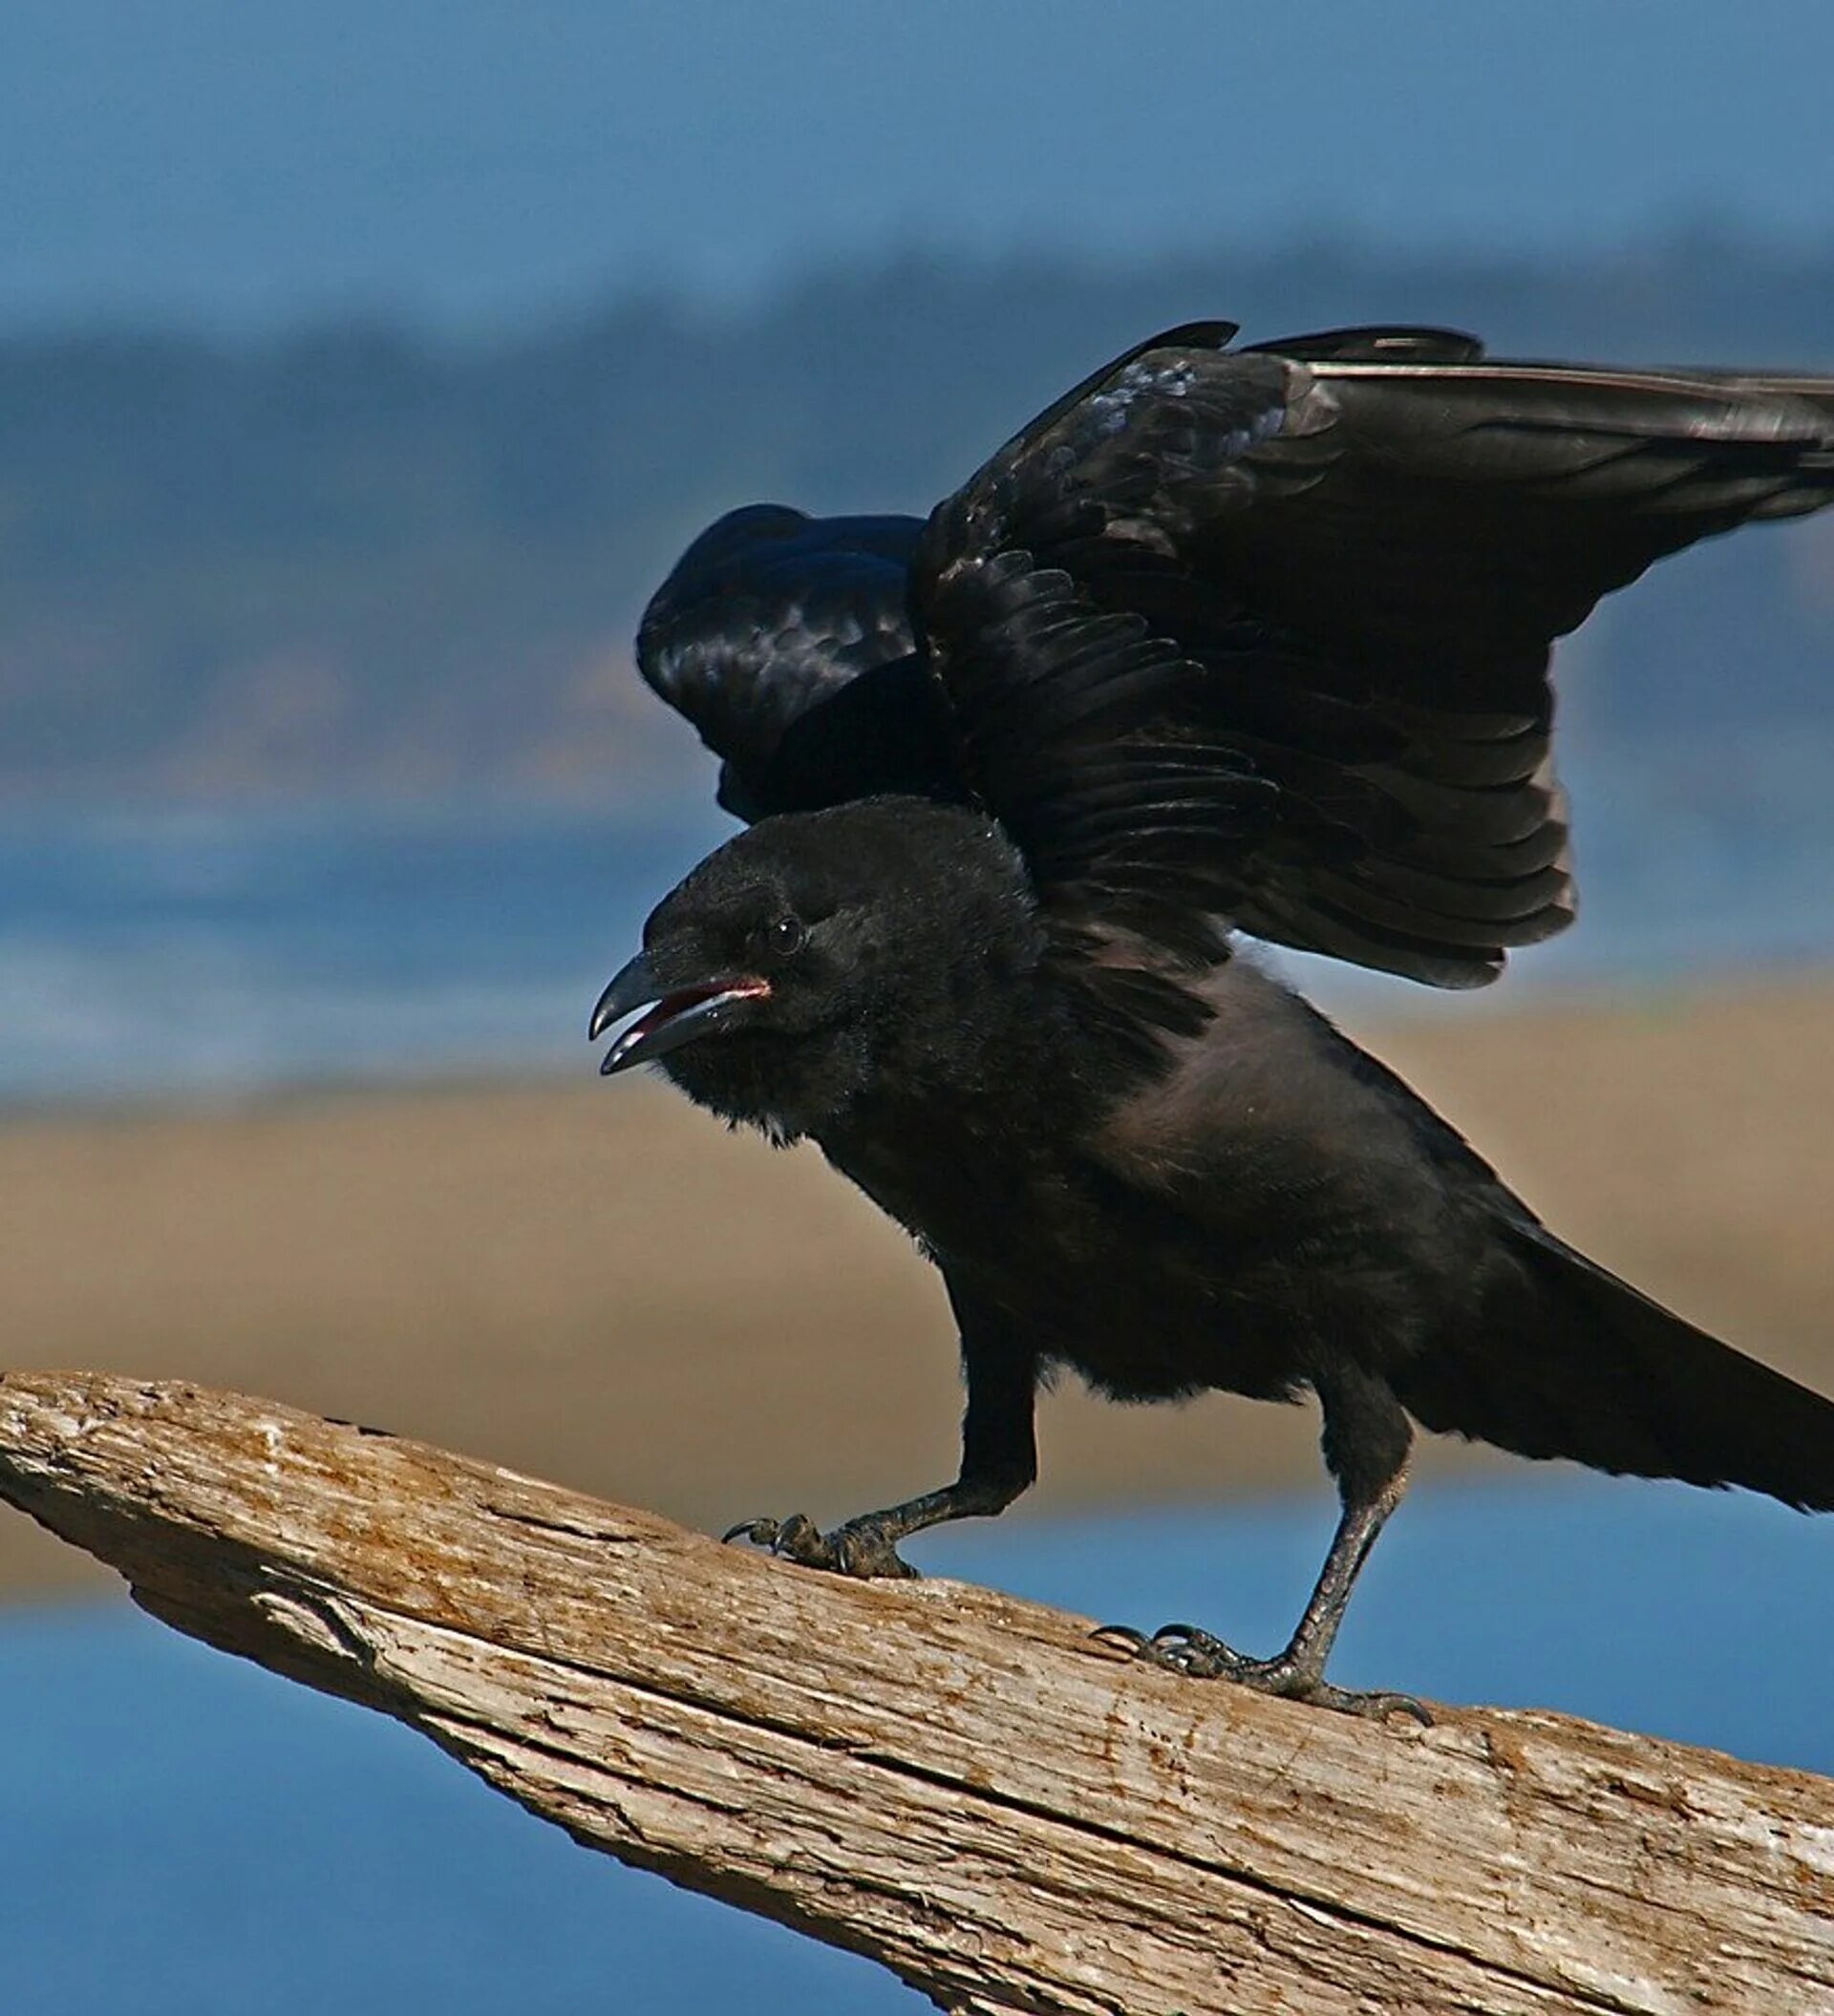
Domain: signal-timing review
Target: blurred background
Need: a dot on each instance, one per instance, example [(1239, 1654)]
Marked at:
[(361, 371)]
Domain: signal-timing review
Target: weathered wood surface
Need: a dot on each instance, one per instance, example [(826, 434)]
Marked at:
[(962, 1786)]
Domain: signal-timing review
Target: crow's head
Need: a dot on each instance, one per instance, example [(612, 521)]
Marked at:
[(822, 956)]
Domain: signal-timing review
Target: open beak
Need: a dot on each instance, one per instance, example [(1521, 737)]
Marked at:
[(677, 1016)]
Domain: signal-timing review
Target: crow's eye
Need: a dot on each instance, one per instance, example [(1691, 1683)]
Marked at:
[(785, 936)]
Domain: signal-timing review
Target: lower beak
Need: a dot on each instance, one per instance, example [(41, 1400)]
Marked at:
[(678, 1014)]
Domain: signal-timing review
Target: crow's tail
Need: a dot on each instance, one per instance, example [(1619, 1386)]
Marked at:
[(1582, 1365)]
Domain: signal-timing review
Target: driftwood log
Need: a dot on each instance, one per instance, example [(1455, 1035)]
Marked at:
[(962, 1786)]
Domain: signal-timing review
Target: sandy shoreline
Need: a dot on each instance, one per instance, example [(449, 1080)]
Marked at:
[(598, 1284)]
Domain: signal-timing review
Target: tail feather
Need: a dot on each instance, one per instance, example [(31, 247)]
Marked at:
[(1586, 1368)]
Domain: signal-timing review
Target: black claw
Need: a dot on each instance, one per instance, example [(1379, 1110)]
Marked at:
[(1375, 1705), (1184, 1648), (1176, 1648), (1197, 1655), (859, 1548)]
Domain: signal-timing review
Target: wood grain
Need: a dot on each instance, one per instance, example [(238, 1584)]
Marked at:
[(958, 1784)]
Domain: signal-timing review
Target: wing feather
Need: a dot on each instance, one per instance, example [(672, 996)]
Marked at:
[(1261, 638), (766, 619), (1253, 639)]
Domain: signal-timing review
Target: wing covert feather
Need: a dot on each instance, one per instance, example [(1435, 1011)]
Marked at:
[(766, 618)]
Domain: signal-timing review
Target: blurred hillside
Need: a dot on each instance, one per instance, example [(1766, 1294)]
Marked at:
[(356, 560)]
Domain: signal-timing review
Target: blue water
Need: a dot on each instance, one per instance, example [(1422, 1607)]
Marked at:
[(185, 1836), (166, 954), (182, 952)]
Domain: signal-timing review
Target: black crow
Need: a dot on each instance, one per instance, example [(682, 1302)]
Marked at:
[(1224, 641)]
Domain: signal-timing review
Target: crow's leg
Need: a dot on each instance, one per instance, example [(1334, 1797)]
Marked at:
[(999, 1460), (1366, 1438)]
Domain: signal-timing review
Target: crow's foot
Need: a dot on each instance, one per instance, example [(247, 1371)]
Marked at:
[(860, 1548), (1182, 1648)]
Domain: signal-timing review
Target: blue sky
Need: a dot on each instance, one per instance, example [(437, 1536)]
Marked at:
[(479, 160)]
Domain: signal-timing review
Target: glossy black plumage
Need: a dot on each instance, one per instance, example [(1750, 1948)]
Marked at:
[(1347, 557), (1223, 641), (768, 616)]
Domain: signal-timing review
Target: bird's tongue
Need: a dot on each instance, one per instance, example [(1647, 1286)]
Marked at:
[(672, 1004)]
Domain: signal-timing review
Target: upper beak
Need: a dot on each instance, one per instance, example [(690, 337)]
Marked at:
[(680, 1013)]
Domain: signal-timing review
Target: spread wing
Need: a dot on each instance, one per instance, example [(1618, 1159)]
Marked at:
[(770, 616), (1260, 639)]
